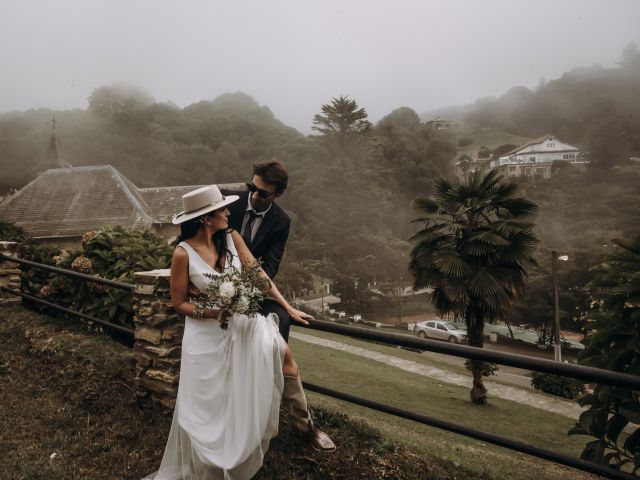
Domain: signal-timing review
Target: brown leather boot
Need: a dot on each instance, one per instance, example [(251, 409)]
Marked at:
[(295, 399)]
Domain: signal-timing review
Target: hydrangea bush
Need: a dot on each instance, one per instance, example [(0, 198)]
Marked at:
[(114, 253)]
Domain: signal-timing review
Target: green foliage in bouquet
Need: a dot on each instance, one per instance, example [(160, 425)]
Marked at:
[(237, 291), (114, 253)]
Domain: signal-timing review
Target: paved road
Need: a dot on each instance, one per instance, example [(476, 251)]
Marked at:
[(526, 396)]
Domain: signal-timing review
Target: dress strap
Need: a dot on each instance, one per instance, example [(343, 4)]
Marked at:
[(231, 246), (187, 247)]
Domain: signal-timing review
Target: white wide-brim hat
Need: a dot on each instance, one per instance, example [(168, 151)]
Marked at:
[(201, 201)]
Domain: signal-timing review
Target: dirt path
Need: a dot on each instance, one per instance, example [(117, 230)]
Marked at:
[(526, 396)]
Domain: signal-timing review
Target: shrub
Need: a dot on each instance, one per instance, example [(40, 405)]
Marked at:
[(612, 344), (557, 385), (10, 232), (465, 141), (33, 279), (488, 368), (114, 253)]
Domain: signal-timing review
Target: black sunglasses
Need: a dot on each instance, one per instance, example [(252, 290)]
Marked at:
[(263, 193)]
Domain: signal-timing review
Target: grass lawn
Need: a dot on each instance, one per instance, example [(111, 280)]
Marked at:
[(68, 411), (360, 376), (67, 392), (402, 353), (486, 137)]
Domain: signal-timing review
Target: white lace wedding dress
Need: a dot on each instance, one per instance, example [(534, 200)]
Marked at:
[(229, 394)]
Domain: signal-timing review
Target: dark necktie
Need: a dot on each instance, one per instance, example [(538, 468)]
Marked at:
[(248, 227)]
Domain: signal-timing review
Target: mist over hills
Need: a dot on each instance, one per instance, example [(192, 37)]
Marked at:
[(350, 200), (590, 106)]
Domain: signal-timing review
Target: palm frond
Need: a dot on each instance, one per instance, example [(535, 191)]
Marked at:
[(452, 265), (490, 238), (425, 206)]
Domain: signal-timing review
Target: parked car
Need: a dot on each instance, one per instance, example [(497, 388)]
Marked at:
[(441, 330)]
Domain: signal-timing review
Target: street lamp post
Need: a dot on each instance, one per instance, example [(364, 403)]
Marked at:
[(322, 283), (557, 348)]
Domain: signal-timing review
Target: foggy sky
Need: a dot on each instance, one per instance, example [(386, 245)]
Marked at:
[(295, 55)]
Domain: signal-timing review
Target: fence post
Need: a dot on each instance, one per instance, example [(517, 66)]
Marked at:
[(158, 339), (9, 274)]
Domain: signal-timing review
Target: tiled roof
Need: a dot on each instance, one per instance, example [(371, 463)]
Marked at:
[(165, 202), (71, 201), (68, 202), (529, 143)]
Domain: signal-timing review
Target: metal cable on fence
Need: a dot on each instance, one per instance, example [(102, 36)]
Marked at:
[(589, 374), (476, 434), (69, 273), (104, 323)]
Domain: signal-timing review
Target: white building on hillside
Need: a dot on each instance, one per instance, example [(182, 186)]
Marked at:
[(536, 157)]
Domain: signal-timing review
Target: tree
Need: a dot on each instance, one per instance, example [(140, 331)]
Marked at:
[(476, 239), (612, 344), (608, 143), (630, 56), (341, 118), (403, 117), (464, 164), (119, 98)]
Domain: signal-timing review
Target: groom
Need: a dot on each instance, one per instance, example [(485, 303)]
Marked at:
[(264, 226)]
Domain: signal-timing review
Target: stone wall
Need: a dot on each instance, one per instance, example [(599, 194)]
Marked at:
[(158, 339), (9, 273)]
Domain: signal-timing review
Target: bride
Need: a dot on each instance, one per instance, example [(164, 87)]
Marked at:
[(234, 368)]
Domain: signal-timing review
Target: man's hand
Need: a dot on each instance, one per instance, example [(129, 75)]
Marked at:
[(193, 291)]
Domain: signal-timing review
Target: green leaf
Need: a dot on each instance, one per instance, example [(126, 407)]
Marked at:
[(607, 459), (578, 430), (594, 452), (632, 443), (630, 411), (588, 399), (615, 425)]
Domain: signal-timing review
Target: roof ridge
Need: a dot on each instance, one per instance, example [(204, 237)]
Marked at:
[(139, 203), (535, 141), (149, 189), (83, 167)]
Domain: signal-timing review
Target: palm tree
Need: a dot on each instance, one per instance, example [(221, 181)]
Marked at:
[(476, 239)]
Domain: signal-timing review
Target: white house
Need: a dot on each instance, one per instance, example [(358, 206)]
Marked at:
[(536, 157)]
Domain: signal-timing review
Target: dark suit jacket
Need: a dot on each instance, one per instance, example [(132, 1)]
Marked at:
[(271, 238)]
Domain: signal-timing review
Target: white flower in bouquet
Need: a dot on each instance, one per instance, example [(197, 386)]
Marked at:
[(243, 304), (237, 291), (227, 290)]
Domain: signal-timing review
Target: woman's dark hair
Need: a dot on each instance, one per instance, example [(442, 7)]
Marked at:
[(189, 228), (274, 173)]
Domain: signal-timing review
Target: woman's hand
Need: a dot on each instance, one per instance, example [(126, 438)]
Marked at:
[(299, 316)]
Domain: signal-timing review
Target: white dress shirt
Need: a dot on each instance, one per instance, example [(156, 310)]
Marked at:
[(256, 222)]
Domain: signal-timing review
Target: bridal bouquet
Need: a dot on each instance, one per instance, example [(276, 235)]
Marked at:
[(236, 291)]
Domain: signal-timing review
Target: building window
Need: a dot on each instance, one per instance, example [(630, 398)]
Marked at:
[(532, 159), (551, 144), (512, 169)]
